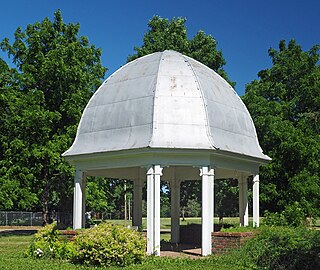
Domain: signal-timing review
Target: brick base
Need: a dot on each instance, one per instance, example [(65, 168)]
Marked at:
[(223, 241), (68, 234)]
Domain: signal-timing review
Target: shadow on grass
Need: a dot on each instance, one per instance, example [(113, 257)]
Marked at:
[(16, 232)]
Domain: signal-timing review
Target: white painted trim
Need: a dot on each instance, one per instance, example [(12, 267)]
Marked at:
[(243, 201), (256, 217), (153, 209), (166, 157), (207, 209), (78, 200)]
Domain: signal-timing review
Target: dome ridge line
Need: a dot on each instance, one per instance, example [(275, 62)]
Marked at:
[(209, 135), (94, 94), (153, 102)]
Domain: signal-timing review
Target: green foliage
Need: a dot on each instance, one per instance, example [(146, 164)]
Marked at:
[(226, 197), (293, 215), (102, 245), (108, 245), (41, 100), (165, 209), (285, 106), (280, 248), (12, 247), (193, 208), (167, 34), (106, 195), (98, 194), (274, 219), (47, 243)]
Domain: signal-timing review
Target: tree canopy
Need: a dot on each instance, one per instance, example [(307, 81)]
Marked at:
[(41, 101), (54, 72), (285, 106), (165, 34)]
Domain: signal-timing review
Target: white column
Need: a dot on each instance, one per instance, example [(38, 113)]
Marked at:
[(153, 209), (207, 209), (78, 200), (256, 200), (84, 186), (137, 202), (175, 211), (243, 201)]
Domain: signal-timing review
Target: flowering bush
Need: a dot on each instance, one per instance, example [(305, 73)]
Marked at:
[(104, 245), (108, 244), (47, 243)]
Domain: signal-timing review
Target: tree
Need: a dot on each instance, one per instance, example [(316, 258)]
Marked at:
[(167, 34), (226, 198), (41, 103), (190, 191), (285, 106)]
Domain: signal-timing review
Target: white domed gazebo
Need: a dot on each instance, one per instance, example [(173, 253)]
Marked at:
[(167, 117)]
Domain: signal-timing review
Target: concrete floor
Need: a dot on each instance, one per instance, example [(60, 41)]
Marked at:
[(180, 250)]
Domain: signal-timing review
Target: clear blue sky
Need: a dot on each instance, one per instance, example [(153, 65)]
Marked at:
[(244, 30)]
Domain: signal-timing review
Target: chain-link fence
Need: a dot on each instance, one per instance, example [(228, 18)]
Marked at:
[(15, 218)]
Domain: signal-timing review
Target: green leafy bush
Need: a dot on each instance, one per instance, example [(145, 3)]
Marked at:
[(274, 219), (108, 244), (47, 243), (291, 216), (280, 248)]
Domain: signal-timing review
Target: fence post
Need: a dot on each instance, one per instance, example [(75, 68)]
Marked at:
[(30, 218), (6, 218)]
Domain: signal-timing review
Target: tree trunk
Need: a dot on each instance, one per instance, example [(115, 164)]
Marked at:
[(45, 200), (182, 211), (220, 219)]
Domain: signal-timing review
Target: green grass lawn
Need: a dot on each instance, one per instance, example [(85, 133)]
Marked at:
[(12, 258)]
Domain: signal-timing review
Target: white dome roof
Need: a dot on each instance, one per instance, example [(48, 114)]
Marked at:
[(166, 100)]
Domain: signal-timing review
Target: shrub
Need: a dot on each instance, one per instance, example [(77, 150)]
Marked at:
[(274, 219), (292, 215), (280, 248), (47, 243), (108, 244)]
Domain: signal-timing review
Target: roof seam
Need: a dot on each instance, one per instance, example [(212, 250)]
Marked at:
[(204, 104), (113, 128), (120, 101), (153, 103), (127, 80), (94, 94), (229, 131)]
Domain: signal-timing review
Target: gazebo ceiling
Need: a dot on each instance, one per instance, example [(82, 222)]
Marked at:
[(166, 100)]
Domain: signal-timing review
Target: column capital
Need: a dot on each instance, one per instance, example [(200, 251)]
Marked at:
[(154, 170), (256, 178), (206, 170)]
